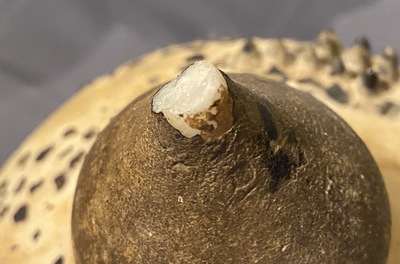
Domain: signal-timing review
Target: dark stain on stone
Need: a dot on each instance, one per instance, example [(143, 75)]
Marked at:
[(178, 136), (23, 159), (370, 80), (337, 66), (36, 235), (59, 181), (195, 57), (21, 213), (249, 46), (292, 138), (4, 211), (35, 186), (90, 134), (207, 128), (268, 122), (70, 132), (76, 159), (336, 92), (60, 260), (44, 153), (279, 166), (3, 188), (20, 185), (387, 107)]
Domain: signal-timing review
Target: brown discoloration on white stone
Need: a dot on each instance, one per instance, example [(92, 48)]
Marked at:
[(197, 102)]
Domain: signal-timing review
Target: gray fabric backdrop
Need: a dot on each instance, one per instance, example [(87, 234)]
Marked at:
[(50, 48)]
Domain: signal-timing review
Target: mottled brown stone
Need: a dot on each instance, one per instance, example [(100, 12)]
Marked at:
[(289, 183)]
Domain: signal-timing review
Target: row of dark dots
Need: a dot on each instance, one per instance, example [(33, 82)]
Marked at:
[(59, 180), (44, 153), (72, 131), (370, 78), (337, 93), (21, 214)]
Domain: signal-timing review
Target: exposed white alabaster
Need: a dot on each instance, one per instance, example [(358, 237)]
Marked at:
[(191, 101)]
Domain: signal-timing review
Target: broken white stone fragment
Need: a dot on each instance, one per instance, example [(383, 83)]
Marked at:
[(197, 102)]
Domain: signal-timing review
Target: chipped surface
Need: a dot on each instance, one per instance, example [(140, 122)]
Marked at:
[(38, 181), (197, 102)]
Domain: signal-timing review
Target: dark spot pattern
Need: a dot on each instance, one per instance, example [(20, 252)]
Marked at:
[(178, 136), (20, 185), (36, 235), (23, 159), (35, 187), (76, 159), (388, 107), (337, 66), (3, 188), (249, 46), (60, 260), (21, 213), (69, 132), (195, 57), (370, 79), (90, 134), (44, 153), (4, 211), (336, 92), (59, 181)]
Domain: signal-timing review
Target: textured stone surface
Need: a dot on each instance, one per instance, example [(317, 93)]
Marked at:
[(265, 192)]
